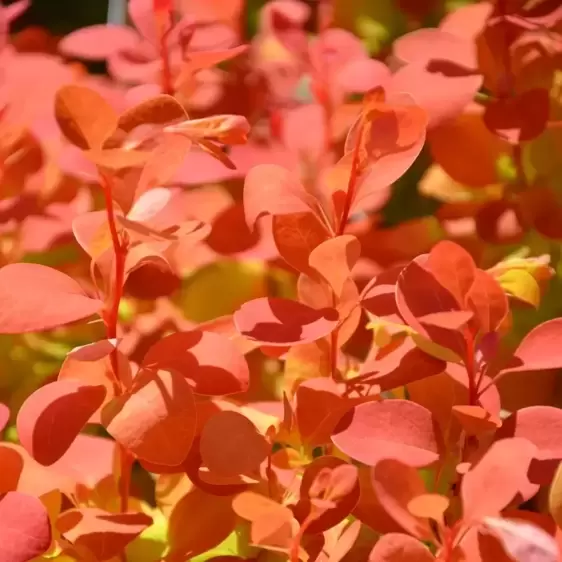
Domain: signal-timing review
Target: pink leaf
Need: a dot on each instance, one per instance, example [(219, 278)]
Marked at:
[(282, 322), (523, 541), (539, 350), (211, 363), (395, 547), (25, 529), (395, 486), (98, 42), (393, 429), (35, 297), (496, 479), (532, 424), (272, 189), (52, 417)]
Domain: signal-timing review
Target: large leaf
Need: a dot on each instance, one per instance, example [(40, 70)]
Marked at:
[(212, 363), (282, 322), (155, 419), (52, 417), (25, 529), (392, 429), (84, 117), (35, 298)]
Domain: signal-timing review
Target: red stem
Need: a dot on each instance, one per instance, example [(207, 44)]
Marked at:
[(471, 369), (353, 177), (295, 547), (111, 319), (162, 14)]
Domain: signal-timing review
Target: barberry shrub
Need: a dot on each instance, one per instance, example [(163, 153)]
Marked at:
[(282, 295)]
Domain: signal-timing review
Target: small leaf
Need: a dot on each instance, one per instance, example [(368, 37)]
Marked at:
[(230, 444), (84, 117), (155, 420), (555, 497), (283, 322), (99, 532), (519, 118), (35, 297), (392, 429), (429, 506), (158, 110), (475, 419), (395, 547), (521, 285), (25, 529), (52, 417)]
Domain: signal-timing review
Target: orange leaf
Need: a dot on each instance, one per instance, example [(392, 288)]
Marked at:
[(100, 533), (155, 420), (230, 444), (84, 117)]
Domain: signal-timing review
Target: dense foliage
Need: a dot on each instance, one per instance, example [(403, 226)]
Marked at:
[(282, 283)]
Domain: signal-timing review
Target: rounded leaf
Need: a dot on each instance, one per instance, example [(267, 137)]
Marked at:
[(282, 322), (210, 362), (396, 547), (52, 417), (156, 419), (84, 117), (34, 297), (230, 444), (25, 529), (392, 429)]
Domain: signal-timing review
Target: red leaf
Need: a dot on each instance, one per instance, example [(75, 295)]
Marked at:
[(519, 118), (393, 429), (496, 479), (272, 189), (52, 417), (396, 547), (230, 444), (98, 41), (84, 117), (189, 536), (418, 294), (99, 532), (334, 259), (453, 267), (530, 423), (341, 492), (35, 297), (210, 362), (282, 322), (395, 486), (296, 235), (539, 350), (488, 301), (25, 529), (271, 522), (403, 364), (156, 419)]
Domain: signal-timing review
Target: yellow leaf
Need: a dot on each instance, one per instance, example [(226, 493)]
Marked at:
[(522, 285), (555, 497)]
